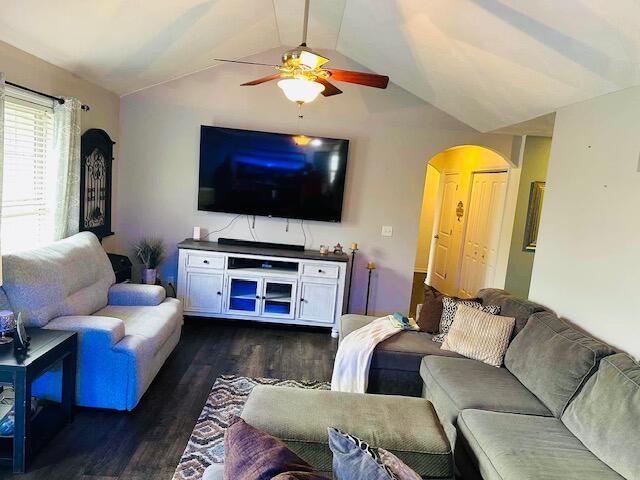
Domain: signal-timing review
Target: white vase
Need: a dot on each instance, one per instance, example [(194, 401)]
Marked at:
[(149, 276)]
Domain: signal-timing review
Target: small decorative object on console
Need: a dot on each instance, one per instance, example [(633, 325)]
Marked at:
[(7, 325), (324, 250), (338, 249)]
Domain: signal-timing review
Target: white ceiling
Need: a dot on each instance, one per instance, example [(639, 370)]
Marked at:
[(489, 63)]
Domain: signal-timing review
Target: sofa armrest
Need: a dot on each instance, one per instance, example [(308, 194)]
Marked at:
[(93, 331), (136, 295)]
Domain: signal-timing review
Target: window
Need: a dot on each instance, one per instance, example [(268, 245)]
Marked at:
[(28, 183)]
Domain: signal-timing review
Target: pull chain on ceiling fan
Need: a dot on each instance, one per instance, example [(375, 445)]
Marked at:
[(302, 76)]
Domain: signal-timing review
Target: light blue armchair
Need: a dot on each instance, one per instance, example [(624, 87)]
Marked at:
[(125, 331)]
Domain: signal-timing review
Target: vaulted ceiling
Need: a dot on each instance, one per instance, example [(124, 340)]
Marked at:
[(489, 63)]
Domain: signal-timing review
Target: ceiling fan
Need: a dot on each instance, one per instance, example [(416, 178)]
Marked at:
[(302, 76)]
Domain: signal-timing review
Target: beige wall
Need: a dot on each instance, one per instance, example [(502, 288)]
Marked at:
[(25, 69), (392, 133), (534, 169), (425, 228), (587, 265), (465, 160)]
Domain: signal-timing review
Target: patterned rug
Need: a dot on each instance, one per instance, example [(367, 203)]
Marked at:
[(227, 398)]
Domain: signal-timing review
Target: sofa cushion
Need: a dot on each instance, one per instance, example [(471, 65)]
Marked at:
[(605, 415), (552, 359), (68, 277), (408, 427), (455, 384), (511, 306), (526, 447), (450, 308), (152, 324), (403, 351)]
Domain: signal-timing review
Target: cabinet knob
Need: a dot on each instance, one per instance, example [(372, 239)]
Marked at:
[(258, 297), (302, 299), (320, 270), (219, 293), (206, 261)]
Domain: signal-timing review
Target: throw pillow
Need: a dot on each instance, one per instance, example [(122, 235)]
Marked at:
[(397, 466), (479, 335), (431, 311), (251, 454), (449, 309), (354, 459)]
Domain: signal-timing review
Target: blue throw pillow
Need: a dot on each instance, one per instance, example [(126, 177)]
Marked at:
[(354, 459)]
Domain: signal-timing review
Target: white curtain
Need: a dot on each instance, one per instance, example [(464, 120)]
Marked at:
[(67, 152), (1, 150)]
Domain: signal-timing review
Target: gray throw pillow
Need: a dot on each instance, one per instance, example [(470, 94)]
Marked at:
[(449, 309)]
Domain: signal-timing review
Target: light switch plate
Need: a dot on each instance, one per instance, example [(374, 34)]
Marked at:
[(387, 231)]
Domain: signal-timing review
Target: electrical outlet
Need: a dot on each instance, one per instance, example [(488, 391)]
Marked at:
[(387, 231)]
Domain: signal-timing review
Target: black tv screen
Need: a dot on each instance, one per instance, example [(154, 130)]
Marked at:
[(271, 174)]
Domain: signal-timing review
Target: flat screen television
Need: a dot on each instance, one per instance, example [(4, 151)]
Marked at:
[(271, 174)]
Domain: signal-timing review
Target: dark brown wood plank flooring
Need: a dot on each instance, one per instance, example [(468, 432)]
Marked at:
[(147, 444)]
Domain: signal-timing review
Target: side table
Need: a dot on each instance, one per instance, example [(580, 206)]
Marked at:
[(33, 429)]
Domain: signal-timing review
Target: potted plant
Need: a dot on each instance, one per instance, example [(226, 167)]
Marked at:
[(150, 252)]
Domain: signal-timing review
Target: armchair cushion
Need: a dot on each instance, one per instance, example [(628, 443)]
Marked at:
[(92, 330), (68, 277), (135, 295)]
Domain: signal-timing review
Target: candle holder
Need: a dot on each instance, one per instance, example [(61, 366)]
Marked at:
[(354, 249), (7, 325), (371, 266)]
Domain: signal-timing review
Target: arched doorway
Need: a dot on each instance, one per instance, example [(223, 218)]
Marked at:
[(464, 234)]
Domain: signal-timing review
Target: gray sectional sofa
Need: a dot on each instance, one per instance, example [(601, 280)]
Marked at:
[(395, 366), (564, 405)]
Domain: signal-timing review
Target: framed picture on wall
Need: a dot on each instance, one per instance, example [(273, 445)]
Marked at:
[(536, 196)]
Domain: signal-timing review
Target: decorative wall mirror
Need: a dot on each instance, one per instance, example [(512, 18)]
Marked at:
[(536, 196), (96, 157)]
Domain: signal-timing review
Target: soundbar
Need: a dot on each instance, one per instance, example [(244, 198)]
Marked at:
[(269, 245)]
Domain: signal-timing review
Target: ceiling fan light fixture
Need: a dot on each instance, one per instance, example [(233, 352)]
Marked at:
[(300, 90)]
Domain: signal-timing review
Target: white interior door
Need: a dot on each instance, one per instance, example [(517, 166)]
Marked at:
[(445, 259), (482, 236)]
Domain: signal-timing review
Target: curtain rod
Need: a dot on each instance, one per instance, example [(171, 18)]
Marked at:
[(86, 108)]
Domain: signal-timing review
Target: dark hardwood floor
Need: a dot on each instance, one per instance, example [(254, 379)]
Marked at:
[(147, 444)]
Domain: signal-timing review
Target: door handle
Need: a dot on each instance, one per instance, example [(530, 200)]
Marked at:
[(436, 237)]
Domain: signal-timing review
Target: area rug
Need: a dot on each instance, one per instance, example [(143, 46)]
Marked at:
[(227, 398)]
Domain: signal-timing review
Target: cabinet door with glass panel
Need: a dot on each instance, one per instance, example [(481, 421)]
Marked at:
[(278, 298), (244, 295)]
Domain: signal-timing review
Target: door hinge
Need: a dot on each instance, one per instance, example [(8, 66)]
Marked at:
[(445, 276)]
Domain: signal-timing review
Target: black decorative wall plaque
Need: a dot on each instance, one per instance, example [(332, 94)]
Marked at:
[(96, 157)]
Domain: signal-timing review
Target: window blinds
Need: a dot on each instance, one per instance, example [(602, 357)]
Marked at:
[(28, 179)]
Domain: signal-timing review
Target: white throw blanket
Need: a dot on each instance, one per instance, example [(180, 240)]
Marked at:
[(351, 368)]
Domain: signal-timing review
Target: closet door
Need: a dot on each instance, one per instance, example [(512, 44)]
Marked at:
[(482, 235)]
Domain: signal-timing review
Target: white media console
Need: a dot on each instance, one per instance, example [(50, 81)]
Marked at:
[(267, 285)]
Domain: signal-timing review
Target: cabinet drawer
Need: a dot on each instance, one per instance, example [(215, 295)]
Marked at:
[(320, 270), (205, 261)]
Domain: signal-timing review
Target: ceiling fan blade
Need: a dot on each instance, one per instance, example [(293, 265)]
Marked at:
[(368, 79), (329, 88), (268, 78), (246, 63)]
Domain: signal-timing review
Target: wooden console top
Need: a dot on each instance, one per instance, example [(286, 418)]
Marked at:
[(270, 252)]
